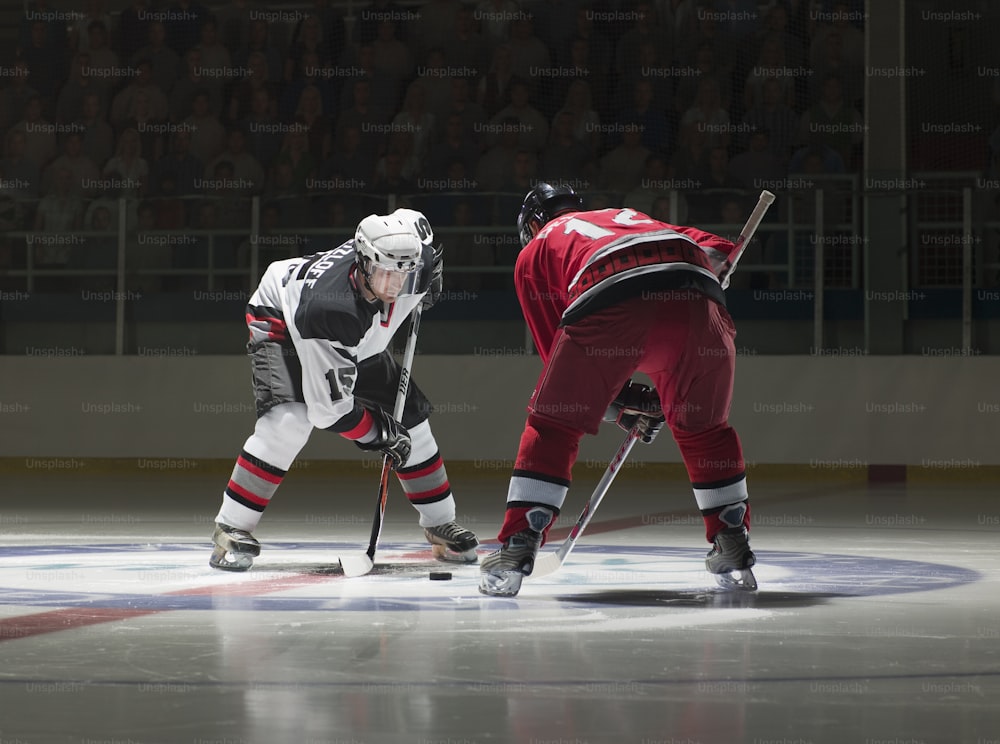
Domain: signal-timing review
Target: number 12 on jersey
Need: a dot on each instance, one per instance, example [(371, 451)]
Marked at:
[(595, 232)]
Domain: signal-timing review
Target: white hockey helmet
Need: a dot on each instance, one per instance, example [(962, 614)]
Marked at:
[(419, 223), (389, 255)]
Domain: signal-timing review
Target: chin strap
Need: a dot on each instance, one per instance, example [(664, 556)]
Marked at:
[(364, 278)]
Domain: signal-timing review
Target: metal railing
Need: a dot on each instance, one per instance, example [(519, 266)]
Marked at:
[(811, 240), (951, 217)]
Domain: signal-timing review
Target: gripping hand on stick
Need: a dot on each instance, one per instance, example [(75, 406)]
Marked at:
[(391, 438), (637, 405)]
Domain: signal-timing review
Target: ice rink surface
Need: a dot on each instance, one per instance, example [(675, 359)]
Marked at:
[(877, 620)]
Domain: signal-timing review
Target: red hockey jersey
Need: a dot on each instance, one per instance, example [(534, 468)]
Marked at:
[(582, 261)]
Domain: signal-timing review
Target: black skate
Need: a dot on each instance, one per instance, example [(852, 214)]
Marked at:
[(730, 560), (235, 549), (501, 572), (452, 543)]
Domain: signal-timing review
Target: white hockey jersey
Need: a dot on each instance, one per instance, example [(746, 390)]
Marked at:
[(313, 304)]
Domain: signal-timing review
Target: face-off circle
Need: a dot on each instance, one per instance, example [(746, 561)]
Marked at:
[(305, 576)]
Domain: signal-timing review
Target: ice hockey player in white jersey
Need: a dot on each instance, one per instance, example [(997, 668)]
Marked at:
[(320, 328)]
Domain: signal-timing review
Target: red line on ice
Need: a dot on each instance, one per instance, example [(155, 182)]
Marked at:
[(23, 626)]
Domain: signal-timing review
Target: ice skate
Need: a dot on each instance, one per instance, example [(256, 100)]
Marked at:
[(452, 543), (503, 570), (235, 549), (730, 560)]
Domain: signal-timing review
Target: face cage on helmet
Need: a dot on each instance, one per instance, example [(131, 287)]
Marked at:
[(391, 282), (529, 222)]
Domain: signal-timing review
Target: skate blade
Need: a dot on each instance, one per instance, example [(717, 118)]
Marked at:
[(356, 565), (741, 580), (228, 561), (224, 542), (441, 553), (504, 584)]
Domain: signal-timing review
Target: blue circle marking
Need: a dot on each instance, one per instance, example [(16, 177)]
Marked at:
[(399, 582)]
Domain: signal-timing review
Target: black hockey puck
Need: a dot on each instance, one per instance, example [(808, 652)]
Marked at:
[(440, 576)]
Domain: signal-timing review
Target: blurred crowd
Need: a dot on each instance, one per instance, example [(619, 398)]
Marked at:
[(189, 110)]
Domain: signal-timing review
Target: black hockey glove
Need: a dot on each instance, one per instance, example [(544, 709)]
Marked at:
[(649, 426), (391, 438), (436, 281), (637, 404)]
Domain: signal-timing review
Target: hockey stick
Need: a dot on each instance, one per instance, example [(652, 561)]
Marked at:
[(765, 201), (550, 562), (358, 565)]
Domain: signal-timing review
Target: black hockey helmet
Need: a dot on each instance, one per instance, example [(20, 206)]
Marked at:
[(542, 204)]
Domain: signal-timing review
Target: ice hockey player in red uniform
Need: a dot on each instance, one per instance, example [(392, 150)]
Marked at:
[(320, 326), (607, 293)]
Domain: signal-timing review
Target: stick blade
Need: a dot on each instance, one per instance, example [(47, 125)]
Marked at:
[(356, 564), (545, 564)]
